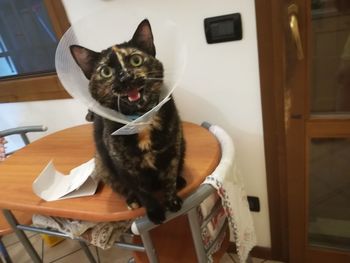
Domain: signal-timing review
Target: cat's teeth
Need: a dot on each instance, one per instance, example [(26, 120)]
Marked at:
[(134, 97), (133, 94)]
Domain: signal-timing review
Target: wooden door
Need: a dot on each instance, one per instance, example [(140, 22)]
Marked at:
[(317, 98), (304, 53)]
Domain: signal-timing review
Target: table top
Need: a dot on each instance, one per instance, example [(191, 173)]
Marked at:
[(73, 146)]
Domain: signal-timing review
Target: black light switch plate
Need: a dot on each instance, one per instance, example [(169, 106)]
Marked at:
[(254, 204), (223, 28)]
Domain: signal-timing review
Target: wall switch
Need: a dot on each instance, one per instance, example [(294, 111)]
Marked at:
[(223, 28), (254, 203)]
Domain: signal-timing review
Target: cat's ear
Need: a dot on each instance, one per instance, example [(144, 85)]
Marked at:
[(85, 58), (143, 38)]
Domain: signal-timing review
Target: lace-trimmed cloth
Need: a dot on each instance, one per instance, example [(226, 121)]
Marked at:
[(227, 181)]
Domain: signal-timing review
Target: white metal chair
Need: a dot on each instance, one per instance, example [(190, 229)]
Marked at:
[(190, 208), (143, 225), (4, 227)]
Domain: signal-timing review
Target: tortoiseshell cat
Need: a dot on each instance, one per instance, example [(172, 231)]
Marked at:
[(128, 78)]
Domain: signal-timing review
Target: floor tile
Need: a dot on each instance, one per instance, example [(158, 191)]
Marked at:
[(75, 256), (226, 259), (18, 253), (115, 255), (61, 249), (11, 239), (236, 260), (70, 251)]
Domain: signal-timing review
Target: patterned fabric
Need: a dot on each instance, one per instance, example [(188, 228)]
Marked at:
[(102, 235), (229, 185), (2, 148), (213, 228)]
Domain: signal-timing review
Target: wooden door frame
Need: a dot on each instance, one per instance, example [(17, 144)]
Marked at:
[(271, 20), (286, 133)]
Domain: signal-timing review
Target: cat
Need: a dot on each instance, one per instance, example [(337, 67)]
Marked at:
[(146, 167)]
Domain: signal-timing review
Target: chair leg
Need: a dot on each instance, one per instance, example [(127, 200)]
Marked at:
[(4, 253), (150, 250), (87, 252), (21, 236), (197, 236)]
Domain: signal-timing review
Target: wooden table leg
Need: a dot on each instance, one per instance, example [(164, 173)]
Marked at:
[(173, 243)]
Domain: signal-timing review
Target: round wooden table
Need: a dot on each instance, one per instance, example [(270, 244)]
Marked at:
[(73, 146)]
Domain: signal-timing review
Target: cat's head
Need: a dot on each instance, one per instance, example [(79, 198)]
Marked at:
[(125, 77)]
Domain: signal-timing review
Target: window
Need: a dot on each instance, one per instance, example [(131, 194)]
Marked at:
[(29, 34)]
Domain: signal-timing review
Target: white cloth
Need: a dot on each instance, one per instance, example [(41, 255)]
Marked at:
[(226, 179), (102, 235)]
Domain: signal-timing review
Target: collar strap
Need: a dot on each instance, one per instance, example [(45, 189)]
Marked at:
[(133, 117)]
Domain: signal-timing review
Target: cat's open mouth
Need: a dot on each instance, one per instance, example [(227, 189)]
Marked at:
[(133, 94), (136, 99)]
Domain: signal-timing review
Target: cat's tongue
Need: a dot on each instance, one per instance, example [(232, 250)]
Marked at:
[(134, 94)]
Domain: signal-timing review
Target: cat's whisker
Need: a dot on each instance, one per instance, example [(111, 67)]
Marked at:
[(162, 72), (163, 76), (159, 71), (154, 78), (155, 71)]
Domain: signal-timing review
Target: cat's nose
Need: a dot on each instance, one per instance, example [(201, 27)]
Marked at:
[(125, 76)]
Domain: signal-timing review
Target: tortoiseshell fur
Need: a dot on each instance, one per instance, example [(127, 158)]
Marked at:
[(146, 167)]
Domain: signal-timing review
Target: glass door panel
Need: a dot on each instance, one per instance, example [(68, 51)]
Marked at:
[(329, 97), (330, 60), (329, 195)]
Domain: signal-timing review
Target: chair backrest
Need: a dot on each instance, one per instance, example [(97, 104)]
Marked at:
[(4, 227), (22, 132), (207, 237)]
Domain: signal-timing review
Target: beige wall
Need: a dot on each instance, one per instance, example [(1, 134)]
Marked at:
[(220, 85)]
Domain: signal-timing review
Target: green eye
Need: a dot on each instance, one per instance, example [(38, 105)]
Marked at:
[(136, 60), (106, 72)]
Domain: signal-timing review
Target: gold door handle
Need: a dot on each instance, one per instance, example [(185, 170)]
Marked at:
[(294, 28)]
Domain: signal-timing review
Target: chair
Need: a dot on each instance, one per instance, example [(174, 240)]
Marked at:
[(142, 226), (25, 218), (190, 208)]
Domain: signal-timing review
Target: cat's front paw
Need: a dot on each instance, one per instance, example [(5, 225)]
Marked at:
[(132, 203), (156, 214), (180, 182), (174, 204), (89, 116)]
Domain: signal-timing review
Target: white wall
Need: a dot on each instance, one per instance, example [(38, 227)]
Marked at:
[(221, 85), (55, 114)]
